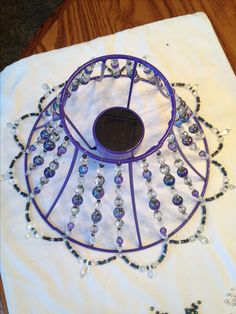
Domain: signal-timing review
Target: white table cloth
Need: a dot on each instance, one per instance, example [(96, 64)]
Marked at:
[(40, 277)]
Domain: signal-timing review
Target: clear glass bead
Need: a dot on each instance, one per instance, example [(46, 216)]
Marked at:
[(152, 194), (119, 223), (118, 192), (157, 215), (81, 180), (164, 169), (182, 209), (119, 201), (75, 210), (178, 163), (79, 190)]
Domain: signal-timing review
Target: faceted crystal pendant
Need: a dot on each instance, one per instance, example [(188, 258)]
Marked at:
[(203, 239), (84, 270)]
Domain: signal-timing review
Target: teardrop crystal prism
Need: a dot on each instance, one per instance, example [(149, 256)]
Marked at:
[(203, 239)]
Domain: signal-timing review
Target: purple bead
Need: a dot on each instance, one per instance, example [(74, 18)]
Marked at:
[(182, 172), (187, 140), (77, 200), (38, 160), (98, 192), (172, 147), (49, 173), (96, 216), (44, 135), (70, 226), (32, 148), (61, 150), (177, 200), (49, 145), (119, 212), (147, 174), (169, 180), (163, 231), (195, 193), (154, 204), (74, 87), (83, 170), (118, 179), (202, 154), (119, 241), (56, 116), (36, 190)]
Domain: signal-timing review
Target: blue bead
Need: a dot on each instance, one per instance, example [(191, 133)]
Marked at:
[(177, 200), (96, 216), (61, 150), (182, 172), (154, 204), (83, 169), (48, 172), (169, 180), (38, 160), (147, 174), (98, 192), (49, 145), (118, 179), (77, 200), (56, 116), (44, 135), (178, 123), (119, 212), (36, 190), (74, 88)]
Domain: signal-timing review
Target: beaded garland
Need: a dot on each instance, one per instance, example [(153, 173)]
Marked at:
[(53, 139)]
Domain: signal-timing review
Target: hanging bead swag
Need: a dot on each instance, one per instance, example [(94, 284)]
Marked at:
[(53, 142)]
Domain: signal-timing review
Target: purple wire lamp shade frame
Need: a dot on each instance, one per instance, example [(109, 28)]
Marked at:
[(78, 147)]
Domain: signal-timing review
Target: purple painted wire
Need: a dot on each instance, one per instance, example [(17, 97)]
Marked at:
[(131, 182), (64, 183), (78, 132), (124, 160), (97, 248), (131, 84)]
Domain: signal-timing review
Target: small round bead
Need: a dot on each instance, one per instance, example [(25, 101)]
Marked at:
[(44, 180), (187, 140), (164, 169), (77, 200), (172, 147), (119, 201), (75, 210), (119, 212), (99, 180), (147, 174), (54, 165), (182, 172), (178, 163), (49, 145), (70, 226), (169, 180), (163, 231), (38, 160), (177, 200), (98, 192), (44, 135), (96, 216), (118, 179), (151, 194), (157, 215), (83, 170), (182, 209), (61, 150), (193, 128), (119, 224), (94, 229), (49, 173), (154, 204), (79, 189), (119, 240), (195, 193)]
